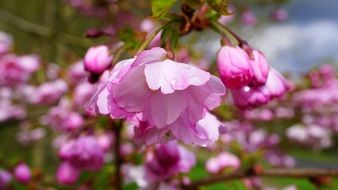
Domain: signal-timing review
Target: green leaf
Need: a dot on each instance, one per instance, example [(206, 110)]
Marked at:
[(221, 6), (161, 7)]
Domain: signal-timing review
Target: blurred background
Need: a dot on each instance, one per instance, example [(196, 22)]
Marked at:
[(55, 30)]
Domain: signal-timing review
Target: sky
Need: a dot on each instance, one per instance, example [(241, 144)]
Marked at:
[(308, 38)]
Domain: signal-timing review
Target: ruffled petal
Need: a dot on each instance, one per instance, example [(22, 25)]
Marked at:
[(169, 76), (149, 56), (131, 93), (165, 109)]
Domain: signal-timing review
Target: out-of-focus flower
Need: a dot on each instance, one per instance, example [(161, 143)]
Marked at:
[(22, 173), (77, 73), (82, 94), (10, 111), (63, 119), (105, 140), (16, 70), (311, 133), (166, 95), (234, 67), (47, 93), (279, 15), (248, 18), (26, 136), (220, 162), (5, 178), (83, 152), (97, 59), (168, 160), (5, 43), (67, 174)]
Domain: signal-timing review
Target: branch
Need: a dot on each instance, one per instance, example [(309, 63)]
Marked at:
[(293, 172), (117, 126), (42, 31)]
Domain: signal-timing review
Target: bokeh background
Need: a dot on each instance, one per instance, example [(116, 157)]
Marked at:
[(54, 30)]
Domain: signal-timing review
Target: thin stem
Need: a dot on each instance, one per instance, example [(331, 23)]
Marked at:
[(220, 29), (293, 172), (148, 40), (227, 32), (117, 126)]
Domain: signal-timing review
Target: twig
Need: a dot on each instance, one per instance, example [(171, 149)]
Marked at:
[(294, 172), (117, 126)]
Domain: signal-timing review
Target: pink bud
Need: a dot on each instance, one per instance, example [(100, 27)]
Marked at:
[(276, 84), (228, 160), (260, 68), (248, 97), (97, 59), (234, 67), (67, 174), (22, 173), (212, 166)]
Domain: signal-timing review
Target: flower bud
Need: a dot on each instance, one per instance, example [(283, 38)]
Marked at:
[(22, 173), (276, 84), (234, 67), (247, 97), (97, 59), (67, 174), (260, 68)]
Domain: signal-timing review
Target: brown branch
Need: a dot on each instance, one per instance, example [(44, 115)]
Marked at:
[(293, 172), (117, 126)]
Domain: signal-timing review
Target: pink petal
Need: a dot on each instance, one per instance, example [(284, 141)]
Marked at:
[(171, 107), (170, 76), (149, 56)]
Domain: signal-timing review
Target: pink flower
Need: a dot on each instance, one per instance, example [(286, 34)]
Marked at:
[(279, 15), (164, 94), (67, 174), (250, 97), (234, 67), (168, 160), (248, 18), (260, 68), (15, 70), (48, 92), (97, 59), (22, 173), (84, 152), (5, 178), (222, 161), (82, 94), (63, 119), (5, 43), (8, 111), (77, 73)]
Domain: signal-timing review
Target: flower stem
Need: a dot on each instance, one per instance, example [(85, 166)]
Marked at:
[(225, 31), (148, 40)]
